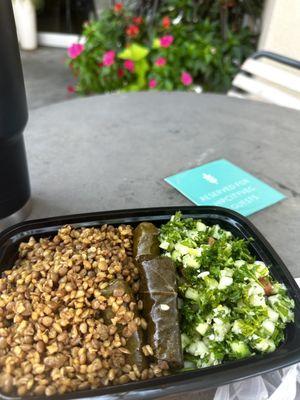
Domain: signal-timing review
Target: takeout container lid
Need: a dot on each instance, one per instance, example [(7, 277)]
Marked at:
[(179, 382)]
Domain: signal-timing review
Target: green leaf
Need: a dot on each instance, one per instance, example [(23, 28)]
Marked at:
[(169, 85), (134, 52), (156, 43), (141, 68)]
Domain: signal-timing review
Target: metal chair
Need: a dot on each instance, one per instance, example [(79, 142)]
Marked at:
[(273, 82)]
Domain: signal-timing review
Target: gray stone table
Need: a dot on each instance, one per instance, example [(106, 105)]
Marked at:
[(113, 151)]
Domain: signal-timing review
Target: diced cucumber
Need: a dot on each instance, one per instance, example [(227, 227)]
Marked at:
[(191, 294), (224, 282), (256, 300), (164, 245), (255, 289), (195, 252), (192, 234), (220, 329), (203, 274), (268, 326), (240, 349), (182, 249), (221, 310), (239, 263), (226, 272), (283, 306), (190, 261), (260, 269), (216, 232), (176, 256), (211, 282), (237, 327), (185, 340), (201, 227), (202, 328), (265, 345), (198, 349), (273, 315)]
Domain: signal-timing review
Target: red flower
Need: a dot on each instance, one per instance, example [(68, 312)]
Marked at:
[(166, 22), (137, 20), (120, 73), (100, 64), (70, 89), (118, 7), (132, 31)]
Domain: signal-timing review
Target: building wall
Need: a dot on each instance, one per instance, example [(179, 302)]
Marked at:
[(281, 28), (101, 5)]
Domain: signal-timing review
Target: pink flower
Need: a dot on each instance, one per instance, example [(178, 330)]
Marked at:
[(129, 65), (152, 83), (166, 41), (75, 50), (186, 78), (160, 62), (109, 58), (70, 89)]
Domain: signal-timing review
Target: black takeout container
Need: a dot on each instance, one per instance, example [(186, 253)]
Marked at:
[(288, 353)]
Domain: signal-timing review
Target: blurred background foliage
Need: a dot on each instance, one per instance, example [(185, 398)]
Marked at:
[(211, 40)]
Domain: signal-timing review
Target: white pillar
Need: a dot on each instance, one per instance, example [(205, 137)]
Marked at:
[(25, 17), (281, 28)]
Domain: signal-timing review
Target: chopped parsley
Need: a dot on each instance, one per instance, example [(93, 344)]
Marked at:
[(230, 305)]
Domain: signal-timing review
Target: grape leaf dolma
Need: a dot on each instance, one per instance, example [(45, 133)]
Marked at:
[(158, 291), (145, 242), (135, 341)]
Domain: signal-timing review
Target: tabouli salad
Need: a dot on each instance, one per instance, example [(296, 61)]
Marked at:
[(230, 305)]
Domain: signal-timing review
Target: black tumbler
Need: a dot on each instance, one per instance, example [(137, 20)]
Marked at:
[(14, 178)]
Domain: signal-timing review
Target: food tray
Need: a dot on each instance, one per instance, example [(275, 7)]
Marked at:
[(288, 353)]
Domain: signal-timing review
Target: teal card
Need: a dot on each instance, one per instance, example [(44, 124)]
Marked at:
[(221, 183)]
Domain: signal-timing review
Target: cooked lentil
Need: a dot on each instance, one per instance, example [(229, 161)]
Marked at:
[(53, 338)]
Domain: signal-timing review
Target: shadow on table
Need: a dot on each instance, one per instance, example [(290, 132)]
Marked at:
[(39, 205)]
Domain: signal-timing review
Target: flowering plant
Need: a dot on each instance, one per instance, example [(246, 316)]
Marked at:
[(122, 52)]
